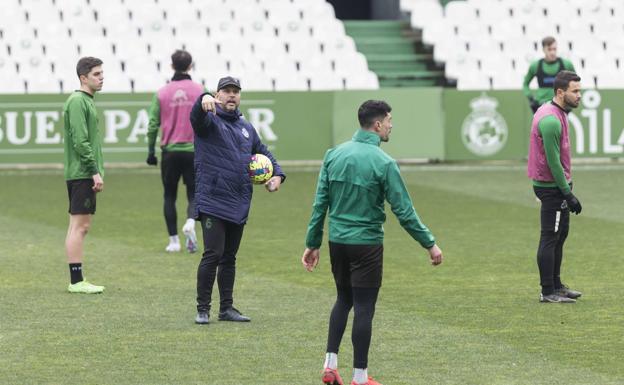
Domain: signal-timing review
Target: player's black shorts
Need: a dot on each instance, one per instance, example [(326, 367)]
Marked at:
[(356, 265), (81, 196), (175, 164)]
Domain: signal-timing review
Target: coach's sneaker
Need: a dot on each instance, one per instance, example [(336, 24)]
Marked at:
[(369, 382), (85, 287), (565, 291), (331, 377), (555, 298), (202, 318)]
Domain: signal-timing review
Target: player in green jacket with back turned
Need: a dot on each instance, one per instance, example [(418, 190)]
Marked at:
[(545, 71), (356, 178), (84, 166)]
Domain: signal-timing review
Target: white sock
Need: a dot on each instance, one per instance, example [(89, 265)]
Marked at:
[(360, 376), (174, 239), (331, 361)]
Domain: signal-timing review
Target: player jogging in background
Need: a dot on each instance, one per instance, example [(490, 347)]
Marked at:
[(550, 168), (355, 179), (544, 70), (84, 167), (169, 111)]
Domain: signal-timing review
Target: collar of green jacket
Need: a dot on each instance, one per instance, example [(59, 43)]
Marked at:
[(366, 137)]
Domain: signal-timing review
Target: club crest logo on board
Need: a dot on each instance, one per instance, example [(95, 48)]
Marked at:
[(484, 131)]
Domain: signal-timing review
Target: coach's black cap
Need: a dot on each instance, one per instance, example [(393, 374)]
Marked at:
[(228, 81)]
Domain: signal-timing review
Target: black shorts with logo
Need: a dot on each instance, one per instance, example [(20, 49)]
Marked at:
[(356, 265), (81, 196)]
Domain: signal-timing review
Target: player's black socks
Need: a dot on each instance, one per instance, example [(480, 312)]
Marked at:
[(75, 272)]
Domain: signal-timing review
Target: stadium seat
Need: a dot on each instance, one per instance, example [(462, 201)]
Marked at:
[(355, 62), (256, 81), (459, 65), (424, 13), (293, 30), (316, 10), (259, 29), (474, 81), (290, 81), (243, 65), (315, 65), (461, 11), (278, 14), (320, 81), (47, 85), (609, 80), (304, 49), (362, 81), (116, 82)]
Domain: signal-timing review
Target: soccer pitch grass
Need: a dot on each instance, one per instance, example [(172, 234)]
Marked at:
[(475, 319)]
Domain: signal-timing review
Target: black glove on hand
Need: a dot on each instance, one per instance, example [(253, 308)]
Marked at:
[(573, 203), (152, 160)]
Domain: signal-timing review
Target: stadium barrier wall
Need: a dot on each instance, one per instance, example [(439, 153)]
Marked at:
[(495, 125), (429, 123)]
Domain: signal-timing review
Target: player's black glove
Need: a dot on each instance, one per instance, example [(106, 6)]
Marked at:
[(573, 203), (152, 160), (534, 104)]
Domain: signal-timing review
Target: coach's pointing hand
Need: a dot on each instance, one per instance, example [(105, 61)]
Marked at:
[(208, 103), (310, 258), (436, 255)]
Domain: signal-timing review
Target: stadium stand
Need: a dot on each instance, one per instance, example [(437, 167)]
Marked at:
[(489, 44), (270, 44), (393, 53)]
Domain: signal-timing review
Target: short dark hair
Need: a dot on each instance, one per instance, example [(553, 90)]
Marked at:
[(372, 110), (563, 79), (548, 40), (86, 64), (181, 60)]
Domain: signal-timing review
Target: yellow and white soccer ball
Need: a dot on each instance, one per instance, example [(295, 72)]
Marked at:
[(260, 169)]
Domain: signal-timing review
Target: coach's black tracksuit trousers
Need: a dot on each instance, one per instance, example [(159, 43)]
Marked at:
[(221, 242)]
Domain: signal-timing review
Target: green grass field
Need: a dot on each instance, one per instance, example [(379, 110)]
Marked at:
[(473, 320)]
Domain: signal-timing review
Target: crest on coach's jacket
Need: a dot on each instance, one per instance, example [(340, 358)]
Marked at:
[(484, 131), (245, 132)]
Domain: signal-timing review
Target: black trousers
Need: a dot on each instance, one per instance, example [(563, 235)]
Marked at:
[(555, 224), (174, 165), (221, 242)]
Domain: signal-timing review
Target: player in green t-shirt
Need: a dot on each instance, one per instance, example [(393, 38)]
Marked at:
[(545, 71), (84, 166)]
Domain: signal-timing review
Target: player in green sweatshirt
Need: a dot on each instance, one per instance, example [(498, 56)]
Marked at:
[(356, 178), (545, 71), (84, 167)]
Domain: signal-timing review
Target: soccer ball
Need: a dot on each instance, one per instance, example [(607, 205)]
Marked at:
[(260, 169)]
